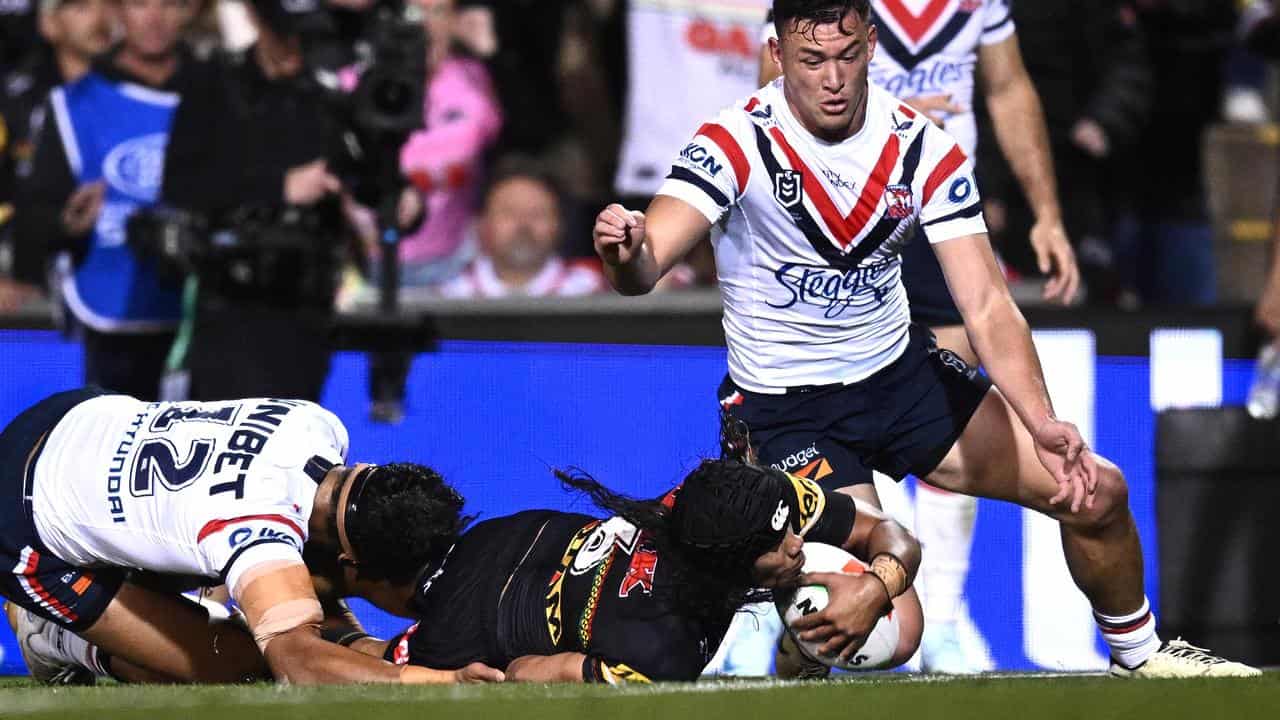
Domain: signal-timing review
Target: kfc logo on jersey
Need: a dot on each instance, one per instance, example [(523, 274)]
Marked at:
[(788, 188), (901, 203)]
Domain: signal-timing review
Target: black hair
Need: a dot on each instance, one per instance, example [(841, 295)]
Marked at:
[(408, 517), (806, 15), (712, 578)]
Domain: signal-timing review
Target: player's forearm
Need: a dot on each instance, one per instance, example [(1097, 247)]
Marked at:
[(303, 658), (890, 537), (637, 277), (565, 667), (1002, 339), (1020, 129)]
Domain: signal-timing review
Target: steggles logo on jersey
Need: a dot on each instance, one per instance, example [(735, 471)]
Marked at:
[(788, 188), (933, 79), (901, 203), (833, 290)]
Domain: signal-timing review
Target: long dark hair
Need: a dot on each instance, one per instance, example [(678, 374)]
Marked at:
[(706, 590)]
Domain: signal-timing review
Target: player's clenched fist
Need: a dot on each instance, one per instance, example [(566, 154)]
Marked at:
[(619, 234)]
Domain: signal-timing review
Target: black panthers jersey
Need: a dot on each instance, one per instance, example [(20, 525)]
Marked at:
[(543, 582)]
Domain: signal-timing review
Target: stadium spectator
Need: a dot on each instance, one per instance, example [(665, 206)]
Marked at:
[(1095, 84), (74, 32), (520, 231), (97, 161), (445, 160), (1166, 249), (556, 66)]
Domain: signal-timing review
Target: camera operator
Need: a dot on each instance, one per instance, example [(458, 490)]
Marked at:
[(250, 154)]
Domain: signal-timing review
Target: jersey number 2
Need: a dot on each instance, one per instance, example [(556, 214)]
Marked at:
[(158, 461)]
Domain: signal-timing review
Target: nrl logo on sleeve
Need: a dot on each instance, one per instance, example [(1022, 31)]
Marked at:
[(901, 203), (788, 188)]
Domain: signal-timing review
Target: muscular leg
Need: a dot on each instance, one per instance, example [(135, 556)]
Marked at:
[(945, 525), (996, 458), (152, 636)]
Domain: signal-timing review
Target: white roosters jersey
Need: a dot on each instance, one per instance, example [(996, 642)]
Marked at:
[(688, 59), (809, 233), (195, 489), (930, 47)]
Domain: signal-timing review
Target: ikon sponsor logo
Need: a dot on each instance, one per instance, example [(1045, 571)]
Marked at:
[(699, 156)]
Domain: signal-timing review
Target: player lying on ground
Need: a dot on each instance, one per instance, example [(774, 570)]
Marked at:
[(554, 596), (813, 184), (647, 594), (99, 484)]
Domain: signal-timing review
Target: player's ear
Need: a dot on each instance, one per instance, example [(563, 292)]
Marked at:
[(775, 50), (873, 39)]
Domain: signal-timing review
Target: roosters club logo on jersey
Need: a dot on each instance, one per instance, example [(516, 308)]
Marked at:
[(899, 201)]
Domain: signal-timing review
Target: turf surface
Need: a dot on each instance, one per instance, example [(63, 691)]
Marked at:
[(1033, 697)]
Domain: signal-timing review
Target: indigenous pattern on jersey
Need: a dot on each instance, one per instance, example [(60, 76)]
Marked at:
[(809, 233), (194, 489), (687, 59), (930, 47), (545, 582)]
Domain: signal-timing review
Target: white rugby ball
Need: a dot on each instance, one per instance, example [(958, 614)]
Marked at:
[(877, 653)]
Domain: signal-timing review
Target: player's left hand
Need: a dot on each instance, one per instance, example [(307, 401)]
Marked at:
[(1056, 259), (478, 673), (856, 603), (1065, 455)]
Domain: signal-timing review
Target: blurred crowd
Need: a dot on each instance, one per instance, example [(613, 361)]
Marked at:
[(534, 114), (585, 101)]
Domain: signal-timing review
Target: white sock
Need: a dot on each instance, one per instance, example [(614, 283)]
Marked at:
[(944, 525), (80, 651), (1132, 638)]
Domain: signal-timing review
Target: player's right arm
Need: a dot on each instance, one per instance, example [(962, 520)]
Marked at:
[(708, 177), (638, 248), (285, 616)]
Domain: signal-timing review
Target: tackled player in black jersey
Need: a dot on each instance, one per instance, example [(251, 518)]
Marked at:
[(644, 595)]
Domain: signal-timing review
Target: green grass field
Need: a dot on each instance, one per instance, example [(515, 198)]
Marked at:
[(1034, 697)]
